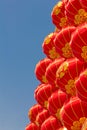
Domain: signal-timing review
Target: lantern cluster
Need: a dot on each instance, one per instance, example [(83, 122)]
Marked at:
[(61, 95)]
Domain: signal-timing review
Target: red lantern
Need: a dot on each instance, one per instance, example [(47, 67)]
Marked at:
[(67, 74), (33, 112), (42, 116), (51, 70), (55, 102), (62, 42), (32, 126), (75, 13), (51, 123), (41, 69), (43, 93), (79, 43), (48, 46), (74, 114), (58, 16), (81, 86)]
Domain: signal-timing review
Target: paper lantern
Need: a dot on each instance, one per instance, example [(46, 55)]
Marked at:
[(74, 114), (42, 116), (51, 123), (79, 43), (32, 126), (58, 16), (67, 74), (48, 46), (33, 112), (81, 86), (75, 13), (51, 70), (62, 42), (56, 101), (44, 93), (40, 69)]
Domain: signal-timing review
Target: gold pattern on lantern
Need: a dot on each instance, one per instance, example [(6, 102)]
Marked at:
[(56, 9), (85, 73), (53, 54), (67, 52), (47, 40), (77, 125), (80, 17), (62, 70), (58, 113), (46, 104), (63, 21), (44, 79), (70, 87), (84, 53)]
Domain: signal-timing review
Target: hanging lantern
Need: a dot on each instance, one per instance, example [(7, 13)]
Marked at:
[(62, 42), (32, 126), (42, 116), (49, 48), (75, 13), (51, 70), (58, 15), (51, 123), (67, 74), (55, 102), (33, 112), (41, 69), (44, 93), (74, 114), (79, 43), (81, 86)]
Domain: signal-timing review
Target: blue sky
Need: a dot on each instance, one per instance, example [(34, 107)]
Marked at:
[(23, 27)]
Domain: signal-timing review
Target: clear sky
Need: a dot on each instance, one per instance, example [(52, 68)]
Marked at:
[(23, 27)]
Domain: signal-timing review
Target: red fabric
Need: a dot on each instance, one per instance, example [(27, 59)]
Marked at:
[(32, 126), (71, 9), (56, 101), (51, 70), (79, 43), (42, 116), (43, 93), (51, 123), (48, 46), (33, 112), (81, 86), (40, 69), (58, 15), (67, 74), (62, 42), (73, 111)]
